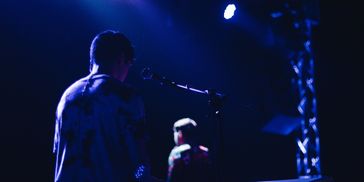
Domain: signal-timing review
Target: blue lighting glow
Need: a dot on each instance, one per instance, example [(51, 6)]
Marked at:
[(276, 14), (140, 172), (301, 146), (309, 83), (314, 161), (229, 11), (308, 46), (301, 106), (312, 120)]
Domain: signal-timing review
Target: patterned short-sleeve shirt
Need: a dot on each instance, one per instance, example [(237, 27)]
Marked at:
[(99, 131)]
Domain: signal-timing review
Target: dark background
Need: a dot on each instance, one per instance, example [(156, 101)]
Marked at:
[(44, 48)]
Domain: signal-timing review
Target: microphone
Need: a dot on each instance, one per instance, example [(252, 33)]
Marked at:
[(147, 74)]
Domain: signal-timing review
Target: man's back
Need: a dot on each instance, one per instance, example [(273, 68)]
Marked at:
[(99, 127), (189, 163)]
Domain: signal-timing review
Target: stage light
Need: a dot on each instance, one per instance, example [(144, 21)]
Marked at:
[(229, 11)]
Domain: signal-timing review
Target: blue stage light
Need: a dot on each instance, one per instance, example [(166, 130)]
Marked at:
[(229, 11)]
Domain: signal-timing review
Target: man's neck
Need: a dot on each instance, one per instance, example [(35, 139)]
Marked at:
[(96, 69)]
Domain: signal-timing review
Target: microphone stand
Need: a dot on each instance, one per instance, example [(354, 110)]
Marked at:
[(215, 104)]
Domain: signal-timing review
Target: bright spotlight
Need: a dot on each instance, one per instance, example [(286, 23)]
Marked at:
[(229, 11)]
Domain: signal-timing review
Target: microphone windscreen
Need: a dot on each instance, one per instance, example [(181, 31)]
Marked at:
[(147, 74)]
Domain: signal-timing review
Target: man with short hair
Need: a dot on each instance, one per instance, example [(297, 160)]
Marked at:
[(188, 161), (99, 132)]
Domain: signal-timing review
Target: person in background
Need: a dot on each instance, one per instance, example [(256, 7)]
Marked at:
[(188, 161)]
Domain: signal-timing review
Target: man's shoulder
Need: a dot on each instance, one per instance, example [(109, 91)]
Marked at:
[(176, 153), (98, 86), (203, 148), (94, 84), (108, 85), (184, 154), (73, 89), (71, 94), (180, 149)]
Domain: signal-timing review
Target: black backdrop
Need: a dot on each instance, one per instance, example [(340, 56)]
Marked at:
[(44, 48)]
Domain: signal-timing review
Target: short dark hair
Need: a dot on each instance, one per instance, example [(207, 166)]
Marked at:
[(109, 45), (188, 127)]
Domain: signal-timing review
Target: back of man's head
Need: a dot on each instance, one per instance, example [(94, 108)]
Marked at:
[(188, 127), (108, 46)]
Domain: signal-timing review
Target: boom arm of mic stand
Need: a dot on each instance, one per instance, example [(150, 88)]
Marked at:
[(147, 74), (167, 82)]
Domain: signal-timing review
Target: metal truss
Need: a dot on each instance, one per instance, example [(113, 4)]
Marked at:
[(304, 15)]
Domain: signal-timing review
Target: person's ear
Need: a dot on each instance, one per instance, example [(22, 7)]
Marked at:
[(90, 67), (180, 134)]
